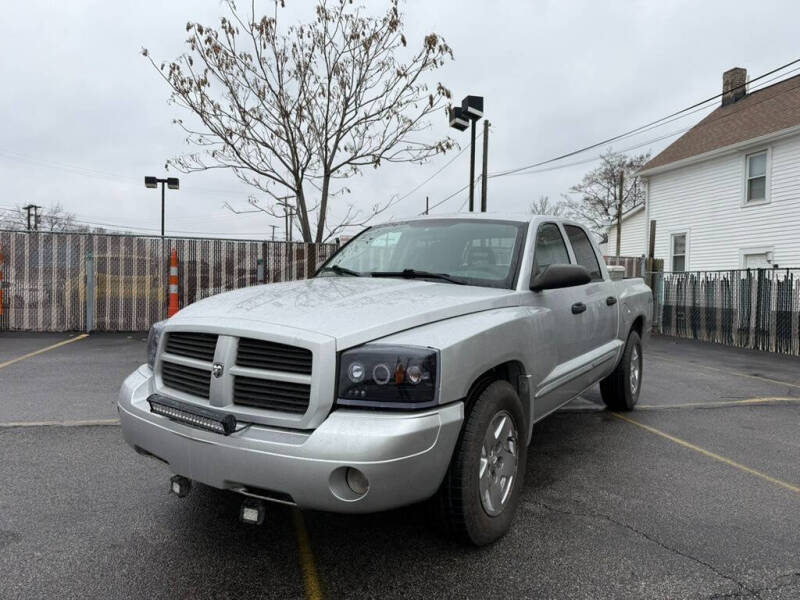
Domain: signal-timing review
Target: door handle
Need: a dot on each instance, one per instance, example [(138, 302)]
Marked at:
[(611, 301), (578, 308)]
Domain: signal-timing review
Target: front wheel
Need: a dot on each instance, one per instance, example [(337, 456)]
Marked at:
[(482, 488), (620, 390)]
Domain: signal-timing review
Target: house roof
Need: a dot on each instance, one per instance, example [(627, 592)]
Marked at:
[(768, 110)]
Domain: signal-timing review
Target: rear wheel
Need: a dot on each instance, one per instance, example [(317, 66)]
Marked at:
[(481, 490), (620, 390)]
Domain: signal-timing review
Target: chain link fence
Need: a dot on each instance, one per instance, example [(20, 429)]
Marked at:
[(749, 308), (45, 276)]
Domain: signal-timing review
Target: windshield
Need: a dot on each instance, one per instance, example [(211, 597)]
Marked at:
[(483, 253)]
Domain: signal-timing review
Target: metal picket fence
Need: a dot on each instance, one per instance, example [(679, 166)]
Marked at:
[(749, 308), (46, 274)]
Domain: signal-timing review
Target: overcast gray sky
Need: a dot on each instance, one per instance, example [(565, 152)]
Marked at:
[(84, 116)]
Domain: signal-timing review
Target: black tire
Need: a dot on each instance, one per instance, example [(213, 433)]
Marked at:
[(459, 500), (617, 389)]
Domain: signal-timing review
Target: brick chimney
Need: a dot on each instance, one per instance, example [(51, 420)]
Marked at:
[(734, 85)]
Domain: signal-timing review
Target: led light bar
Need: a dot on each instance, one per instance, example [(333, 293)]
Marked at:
[(189, 414)]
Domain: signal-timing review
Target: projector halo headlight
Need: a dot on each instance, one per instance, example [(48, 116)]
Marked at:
[(388, 376), (355, 372)]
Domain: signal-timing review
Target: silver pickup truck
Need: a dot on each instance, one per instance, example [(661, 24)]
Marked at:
[(412, 366)]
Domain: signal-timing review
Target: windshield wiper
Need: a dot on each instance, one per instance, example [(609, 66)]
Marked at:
[(340, 270), (413, 274)]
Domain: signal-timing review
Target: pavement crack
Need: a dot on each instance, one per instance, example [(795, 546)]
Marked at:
[(651, 539)]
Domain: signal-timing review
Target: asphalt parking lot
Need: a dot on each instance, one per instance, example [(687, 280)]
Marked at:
[(694, 495)]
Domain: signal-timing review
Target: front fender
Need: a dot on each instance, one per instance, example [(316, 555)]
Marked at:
[(471, 345)]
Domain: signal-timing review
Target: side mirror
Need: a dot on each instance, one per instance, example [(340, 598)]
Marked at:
[(560, 276)]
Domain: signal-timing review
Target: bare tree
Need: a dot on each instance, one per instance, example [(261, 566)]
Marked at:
[(599, 197), (52, 218), (293, 111), (55, 218), (543, 206), (13, 219)]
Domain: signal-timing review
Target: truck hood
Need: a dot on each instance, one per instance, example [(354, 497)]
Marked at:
[(353, 310)]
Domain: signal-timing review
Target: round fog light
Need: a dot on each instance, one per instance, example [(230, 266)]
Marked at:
[(357, 481)]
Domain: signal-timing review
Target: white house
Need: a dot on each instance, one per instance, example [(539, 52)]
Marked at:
[(634, 239), (726, 194)]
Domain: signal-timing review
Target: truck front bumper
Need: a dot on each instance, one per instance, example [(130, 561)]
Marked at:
[(403, 456)]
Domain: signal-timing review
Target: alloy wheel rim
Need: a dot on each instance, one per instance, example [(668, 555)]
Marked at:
[(497, 468), (636, 369)]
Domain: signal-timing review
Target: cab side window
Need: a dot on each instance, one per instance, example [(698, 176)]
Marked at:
[(550, 248), (584, 253)]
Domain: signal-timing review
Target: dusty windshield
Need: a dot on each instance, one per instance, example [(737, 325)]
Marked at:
[(483, 253)]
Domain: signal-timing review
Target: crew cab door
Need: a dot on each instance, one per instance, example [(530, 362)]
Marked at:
[(555, 348), (581, 320), (599, 321)]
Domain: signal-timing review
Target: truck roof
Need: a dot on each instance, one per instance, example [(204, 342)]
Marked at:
[(490, 216), (519, 217)]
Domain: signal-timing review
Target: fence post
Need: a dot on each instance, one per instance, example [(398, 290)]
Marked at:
[(1, 284), (260, 270), (90, 292)]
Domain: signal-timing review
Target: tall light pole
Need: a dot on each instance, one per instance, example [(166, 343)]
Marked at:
[(171, 182), (461, 117)]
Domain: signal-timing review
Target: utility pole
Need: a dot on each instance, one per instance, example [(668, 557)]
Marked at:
[(620, 191), (34, 210), (426, 205), (287, 214), (484, 177), (472, 168)]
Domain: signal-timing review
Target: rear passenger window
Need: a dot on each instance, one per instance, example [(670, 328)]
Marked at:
[(550, 248), (584, 253)]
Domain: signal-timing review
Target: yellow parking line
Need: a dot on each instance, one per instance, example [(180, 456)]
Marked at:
[(53, 347), (310, 577), (715, 456), (744, 402), (727, 371)]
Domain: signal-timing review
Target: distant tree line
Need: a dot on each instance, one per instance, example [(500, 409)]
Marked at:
[(53, 218)]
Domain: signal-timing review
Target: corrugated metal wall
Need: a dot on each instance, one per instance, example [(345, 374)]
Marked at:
[(45, 276)]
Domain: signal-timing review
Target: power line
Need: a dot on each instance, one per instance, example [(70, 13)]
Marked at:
[(98, 174), (697, 107), (136, 228), (641, 127), (447, 164)]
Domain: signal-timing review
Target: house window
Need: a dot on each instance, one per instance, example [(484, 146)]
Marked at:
[(757, 177), (679, 252)]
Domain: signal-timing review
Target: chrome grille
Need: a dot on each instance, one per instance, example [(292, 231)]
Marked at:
[(186, 379), (200, 346), (274, 395), (272, 356)]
